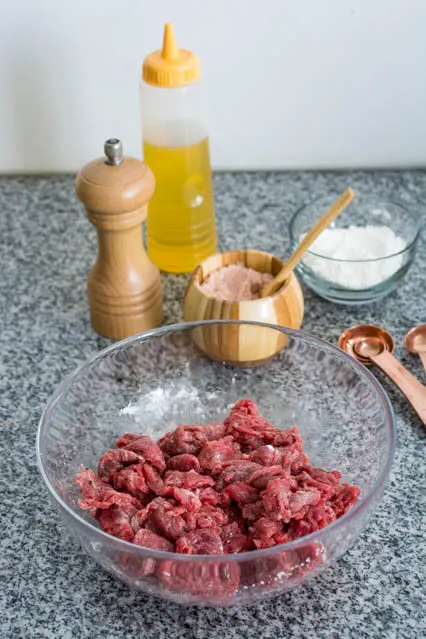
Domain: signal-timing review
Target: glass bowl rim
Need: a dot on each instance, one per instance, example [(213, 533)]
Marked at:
[(415, 219), (144, 552)]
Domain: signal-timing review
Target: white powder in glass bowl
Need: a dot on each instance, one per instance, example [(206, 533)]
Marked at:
[(356, 243)]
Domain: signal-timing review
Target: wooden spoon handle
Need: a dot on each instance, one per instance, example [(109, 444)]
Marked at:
[(335, 209), (413, 390)]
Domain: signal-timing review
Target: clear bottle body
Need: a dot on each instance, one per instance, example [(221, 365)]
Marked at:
[(181, 229)]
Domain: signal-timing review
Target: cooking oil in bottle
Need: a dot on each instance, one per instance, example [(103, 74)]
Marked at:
[(181, 228), (181, 223)]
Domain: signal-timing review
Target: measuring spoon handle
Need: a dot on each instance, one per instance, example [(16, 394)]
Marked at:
[(423, 358), (413, 390)]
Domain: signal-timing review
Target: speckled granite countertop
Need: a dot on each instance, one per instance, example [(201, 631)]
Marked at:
[(48, 586)]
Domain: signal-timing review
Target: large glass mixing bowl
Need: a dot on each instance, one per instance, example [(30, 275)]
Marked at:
[(152, 382)]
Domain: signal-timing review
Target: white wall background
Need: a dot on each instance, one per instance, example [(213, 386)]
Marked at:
[(292, 83)]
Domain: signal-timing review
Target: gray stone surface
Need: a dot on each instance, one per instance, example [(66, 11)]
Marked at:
[(48, 586)]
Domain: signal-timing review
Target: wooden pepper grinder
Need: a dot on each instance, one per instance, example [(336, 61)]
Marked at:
[(124, 287)]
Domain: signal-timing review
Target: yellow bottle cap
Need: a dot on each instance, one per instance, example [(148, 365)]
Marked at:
[(171, 66)]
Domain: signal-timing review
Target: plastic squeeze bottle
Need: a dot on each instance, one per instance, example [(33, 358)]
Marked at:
[(181, 229)]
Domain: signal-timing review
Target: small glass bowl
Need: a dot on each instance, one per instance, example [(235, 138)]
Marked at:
[(362, 211)]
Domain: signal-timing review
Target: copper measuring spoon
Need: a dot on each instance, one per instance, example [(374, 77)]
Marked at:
[(415, 342), (371, 344)]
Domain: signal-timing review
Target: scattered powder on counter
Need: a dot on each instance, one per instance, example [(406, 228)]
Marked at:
[(235, 283), (356, 243)]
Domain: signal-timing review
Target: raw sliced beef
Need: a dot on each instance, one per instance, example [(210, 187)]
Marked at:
[(217, 489)]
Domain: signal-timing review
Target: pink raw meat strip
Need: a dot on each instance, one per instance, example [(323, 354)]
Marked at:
[(221, 488)]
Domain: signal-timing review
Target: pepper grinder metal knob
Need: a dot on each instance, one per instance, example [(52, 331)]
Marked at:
[(113, 151), (124, 287)]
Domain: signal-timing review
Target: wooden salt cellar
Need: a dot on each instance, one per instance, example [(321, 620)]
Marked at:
[(124, 287), (243, 345)]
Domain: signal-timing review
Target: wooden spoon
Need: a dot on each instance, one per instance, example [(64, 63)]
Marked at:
[(335, 209)]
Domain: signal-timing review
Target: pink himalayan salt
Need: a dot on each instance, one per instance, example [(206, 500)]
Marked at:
[(235, 283)]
